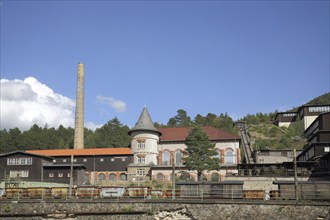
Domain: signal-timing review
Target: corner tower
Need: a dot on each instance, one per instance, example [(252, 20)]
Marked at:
[(79, 119), (145, 137)]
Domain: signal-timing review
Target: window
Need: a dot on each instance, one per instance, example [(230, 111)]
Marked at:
[(112, 177), (178, 157), (160, 176), (141, 144), (101, 177), (140, 172), (123, 177), (141, 159), (229, 156), (319, 109), (101, 159), (289, 114), (19, 173), (19, 161), (166, 158), (51, 175), (60, 174)]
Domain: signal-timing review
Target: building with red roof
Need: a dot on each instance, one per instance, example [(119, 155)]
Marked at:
[(152, 154), (156, 151)]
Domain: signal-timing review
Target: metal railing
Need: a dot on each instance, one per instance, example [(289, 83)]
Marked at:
[(55, 194)]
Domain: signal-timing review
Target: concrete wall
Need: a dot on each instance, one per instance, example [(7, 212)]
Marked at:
[(261, 183), (192, 210)]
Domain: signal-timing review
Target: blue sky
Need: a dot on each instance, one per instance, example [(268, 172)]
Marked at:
[(239, 57)]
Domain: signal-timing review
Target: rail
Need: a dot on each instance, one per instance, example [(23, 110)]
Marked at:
[(246, 143), (43, 194)]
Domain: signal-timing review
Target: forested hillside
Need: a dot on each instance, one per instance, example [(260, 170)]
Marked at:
[(114, 134)]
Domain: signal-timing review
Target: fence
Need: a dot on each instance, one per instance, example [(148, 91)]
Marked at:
[(16, 194)]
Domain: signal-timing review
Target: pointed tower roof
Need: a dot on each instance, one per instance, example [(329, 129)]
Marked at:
[(144, 123)]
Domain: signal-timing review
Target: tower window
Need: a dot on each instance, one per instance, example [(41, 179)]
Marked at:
[(141, 144), (141, 159)]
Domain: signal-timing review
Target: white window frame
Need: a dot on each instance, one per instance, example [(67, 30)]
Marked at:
[(19, 173), (19, 161), (141, 159), (140, 172), (141, 145)]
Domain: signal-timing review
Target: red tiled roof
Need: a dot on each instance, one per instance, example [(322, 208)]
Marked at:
[(181, 133), (82, 152)]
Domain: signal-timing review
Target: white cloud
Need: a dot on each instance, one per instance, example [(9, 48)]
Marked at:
[(27, 102), (118, 105), (92, 126)]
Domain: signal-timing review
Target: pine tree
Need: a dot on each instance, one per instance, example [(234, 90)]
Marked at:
[(200, 152)]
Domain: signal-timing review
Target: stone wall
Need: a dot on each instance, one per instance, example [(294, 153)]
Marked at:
[(164, 210)]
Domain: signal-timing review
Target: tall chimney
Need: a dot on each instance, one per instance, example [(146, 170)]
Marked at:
[(79, 120)]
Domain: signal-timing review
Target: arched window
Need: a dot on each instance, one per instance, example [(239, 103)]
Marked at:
[(229, 156), (178, 157), (123, 177), (160, 176), (101, 177), (166, 158), (215, 177), (112, 177)]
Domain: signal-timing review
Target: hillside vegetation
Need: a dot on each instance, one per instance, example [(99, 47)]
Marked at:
[(114, 134), (266, 136)]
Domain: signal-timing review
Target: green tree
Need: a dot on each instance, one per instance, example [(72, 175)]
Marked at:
[(4, 140), (209, 119), (66, 140), (181, 119), (112, 134), (199, 120), (15, 139), (89, 138), (35, 138), (225, 122), (200, 152)]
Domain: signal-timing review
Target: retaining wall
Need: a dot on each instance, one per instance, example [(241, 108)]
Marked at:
[(151, 209)]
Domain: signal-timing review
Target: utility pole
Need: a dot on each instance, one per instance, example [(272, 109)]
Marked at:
[(295, 174), (173, 176), (71, 177)]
